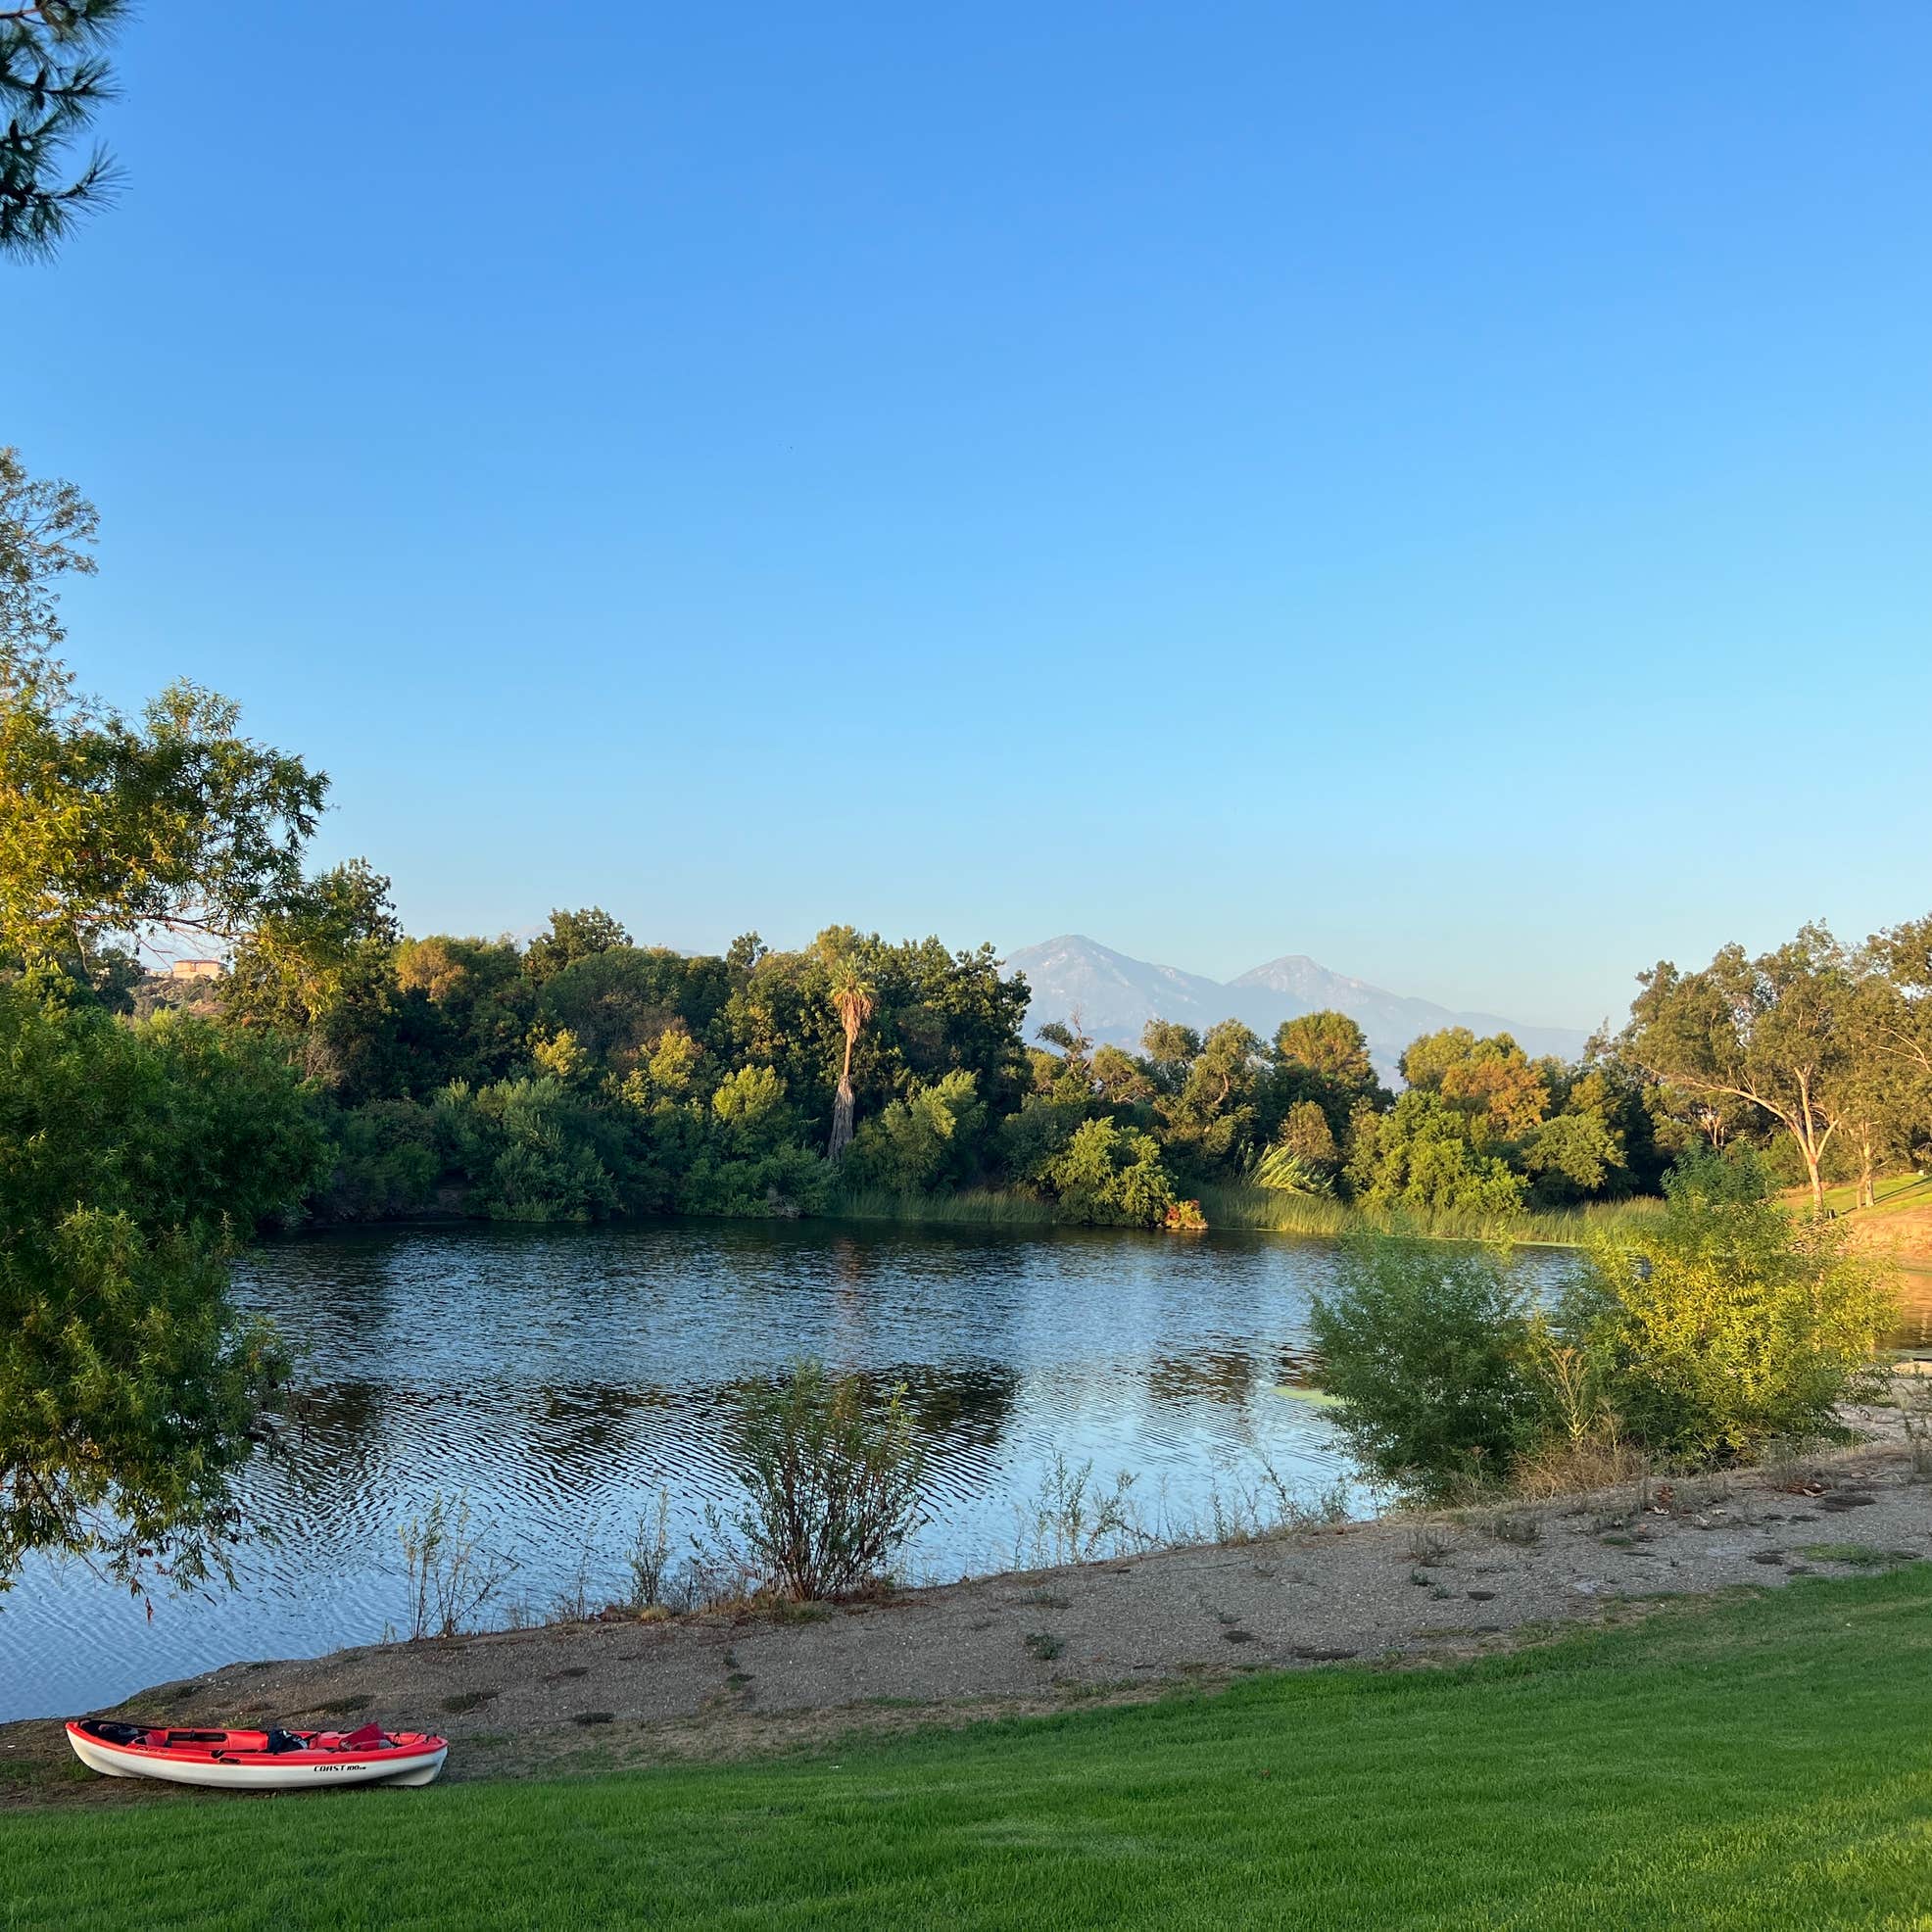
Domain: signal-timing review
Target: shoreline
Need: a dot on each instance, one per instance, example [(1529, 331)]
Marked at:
[(1397, 1592), (1006, 1211)]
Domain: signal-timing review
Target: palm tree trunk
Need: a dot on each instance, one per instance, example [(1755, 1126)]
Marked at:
[(841, 1110)]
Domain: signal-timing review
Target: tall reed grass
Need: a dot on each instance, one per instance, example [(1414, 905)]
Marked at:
[(971, 1207), (1259, 1210), (1267, 1210)]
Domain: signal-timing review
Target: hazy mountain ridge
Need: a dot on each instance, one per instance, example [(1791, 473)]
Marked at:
[(1116, 995)]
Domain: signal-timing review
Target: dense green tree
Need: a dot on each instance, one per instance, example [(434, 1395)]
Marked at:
[(1210, 1120), (1329, 1045), (571, 936), (1898, 1031), (133, 1161), (1063, 1062), (1308, 1137), (170, 823), (532, 1149), (1321, 1058), (1422, 1159), (1204, 1096), (1122, 1083), (1493, 1082), (1109, 1174), (1571, 1157), (1170, 1050), (113, 829), (319, 970), (928, 1140), (616, 1002), (386, 1160), (468, 1003), (1875, 1094)]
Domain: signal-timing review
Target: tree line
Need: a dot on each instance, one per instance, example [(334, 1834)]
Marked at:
[(586, 1074)]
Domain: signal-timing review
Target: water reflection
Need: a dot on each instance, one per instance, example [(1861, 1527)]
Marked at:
[(561, 1378), (1215, 1375)]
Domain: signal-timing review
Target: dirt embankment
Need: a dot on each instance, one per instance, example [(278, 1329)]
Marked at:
[(1904, 1233), (1398, 1591)]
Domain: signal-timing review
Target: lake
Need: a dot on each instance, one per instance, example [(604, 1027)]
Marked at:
[(560, 1378)]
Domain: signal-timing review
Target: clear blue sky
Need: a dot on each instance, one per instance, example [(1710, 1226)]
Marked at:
[(1443, 489)]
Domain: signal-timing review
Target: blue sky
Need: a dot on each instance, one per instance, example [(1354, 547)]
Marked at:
[(1444, 490)]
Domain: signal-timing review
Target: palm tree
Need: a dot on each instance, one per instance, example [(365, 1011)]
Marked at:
[(854, 997)]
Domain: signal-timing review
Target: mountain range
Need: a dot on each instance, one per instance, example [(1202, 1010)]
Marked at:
[(1116, 997)]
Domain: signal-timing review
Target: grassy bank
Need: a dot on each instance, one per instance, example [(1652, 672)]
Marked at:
[(1895, 1194), (1898, 1222), (1753, 1765)]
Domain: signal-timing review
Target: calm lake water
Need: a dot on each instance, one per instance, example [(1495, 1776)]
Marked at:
[(560, 1378)]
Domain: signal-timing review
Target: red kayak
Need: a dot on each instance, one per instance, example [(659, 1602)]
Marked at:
[(257, 1760)]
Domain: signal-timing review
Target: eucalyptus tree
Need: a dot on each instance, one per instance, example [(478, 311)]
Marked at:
[(1903, 955), (1776, 1033)]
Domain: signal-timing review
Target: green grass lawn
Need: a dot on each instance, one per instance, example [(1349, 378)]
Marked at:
[(1763, 1763), (1891, 1196)]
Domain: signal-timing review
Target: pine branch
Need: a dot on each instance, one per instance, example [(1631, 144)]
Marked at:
[(53, 78)]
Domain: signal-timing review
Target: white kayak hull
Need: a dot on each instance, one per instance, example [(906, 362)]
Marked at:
[(417, 1768)]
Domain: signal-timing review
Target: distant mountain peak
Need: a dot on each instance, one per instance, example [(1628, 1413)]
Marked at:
[(1115, 994)]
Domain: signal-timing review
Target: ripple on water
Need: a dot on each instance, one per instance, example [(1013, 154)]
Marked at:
[(560, 1380)]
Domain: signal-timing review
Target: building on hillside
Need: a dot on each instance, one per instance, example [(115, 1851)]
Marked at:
[(195, 969)]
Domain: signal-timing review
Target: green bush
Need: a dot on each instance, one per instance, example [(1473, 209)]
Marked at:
[(1110, 1175), (1425, 1348), (831, 1484), (1727, 1322), (532, 1149), (386, 1162), (922, 1141), (1419, 1160), (784, 1182)]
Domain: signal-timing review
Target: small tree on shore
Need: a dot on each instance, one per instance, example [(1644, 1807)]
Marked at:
[(832, 1483), (1427, 1348), (1724, 1322)]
